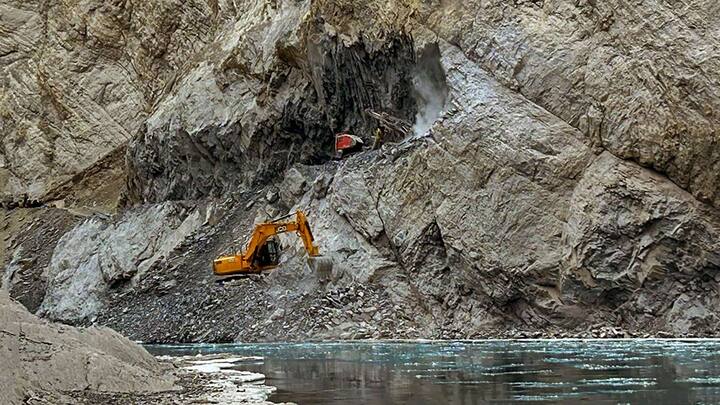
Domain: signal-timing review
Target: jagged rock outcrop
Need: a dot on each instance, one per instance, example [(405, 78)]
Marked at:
[(638, 79), (637, 242), (271, 91), (44, 361), (28, 237), (100, 254), (78, 79)]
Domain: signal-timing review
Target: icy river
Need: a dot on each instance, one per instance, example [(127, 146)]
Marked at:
[(480, 372)]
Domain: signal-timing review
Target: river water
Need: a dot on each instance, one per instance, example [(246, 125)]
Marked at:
[(498, 371)]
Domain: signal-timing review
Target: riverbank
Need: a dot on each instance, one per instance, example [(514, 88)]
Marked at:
[(199, 379), (50, 363)]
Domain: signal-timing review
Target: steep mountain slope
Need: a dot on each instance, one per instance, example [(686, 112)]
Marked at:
[(561, 178), (78, 80)]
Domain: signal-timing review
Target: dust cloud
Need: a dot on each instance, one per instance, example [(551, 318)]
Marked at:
[(429, 88)]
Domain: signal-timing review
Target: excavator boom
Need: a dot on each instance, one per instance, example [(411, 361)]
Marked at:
[(262, 251)]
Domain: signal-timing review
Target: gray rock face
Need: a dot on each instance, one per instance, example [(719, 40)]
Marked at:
[(628, 227), (638, 79), (272, 90), (77, 79), (562, 171), (474, 214), (28, 238), (98, 255)]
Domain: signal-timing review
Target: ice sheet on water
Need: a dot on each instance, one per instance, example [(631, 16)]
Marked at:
[(614, 366), (566, 370), (518, 372), (540, 384), (461, 382), (620, 381), (226, 360), (711, 380)]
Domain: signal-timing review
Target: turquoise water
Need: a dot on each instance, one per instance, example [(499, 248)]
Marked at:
[(534, 371)]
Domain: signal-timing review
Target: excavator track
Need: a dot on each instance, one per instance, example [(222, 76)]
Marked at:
[(254, 277)]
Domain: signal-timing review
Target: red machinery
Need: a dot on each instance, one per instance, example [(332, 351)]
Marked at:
[(346, 143)]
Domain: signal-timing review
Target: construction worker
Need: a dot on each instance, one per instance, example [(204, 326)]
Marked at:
[(377, 141)]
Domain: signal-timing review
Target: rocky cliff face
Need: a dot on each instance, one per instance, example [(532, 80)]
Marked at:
[(561, 176), (80, 78), (271, 91)]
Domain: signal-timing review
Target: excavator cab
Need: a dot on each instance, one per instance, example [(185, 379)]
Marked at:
[(267, 255)]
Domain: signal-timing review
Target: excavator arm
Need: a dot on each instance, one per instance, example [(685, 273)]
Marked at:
[(247, 263), (306, 235)]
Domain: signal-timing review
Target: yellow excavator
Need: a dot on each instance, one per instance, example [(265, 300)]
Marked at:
[(263, 250)]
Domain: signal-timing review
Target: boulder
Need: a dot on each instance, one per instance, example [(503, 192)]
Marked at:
[(46, 360)]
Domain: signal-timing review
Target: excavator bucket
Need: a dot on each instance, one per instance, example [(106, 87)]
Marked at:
[(321, 266)]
